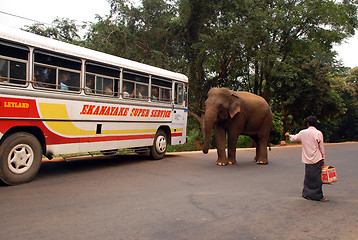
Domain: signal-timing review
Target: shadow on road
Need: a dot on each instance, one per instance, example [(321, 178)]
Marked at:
[(85, 164)]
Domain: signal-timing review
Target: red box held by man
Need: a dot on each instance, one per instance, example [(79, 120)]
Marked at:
[(329, 174)]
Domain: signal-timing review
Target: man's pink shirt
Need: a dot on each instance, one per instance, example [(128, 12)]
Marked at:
[(312, 145)]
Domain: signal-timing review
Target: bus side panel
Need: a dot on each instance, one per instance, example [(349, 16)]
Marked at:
[(100, 126), (74, 126)]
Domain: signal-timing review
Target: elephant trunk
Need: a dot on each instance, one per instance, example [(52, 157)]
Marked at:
[(209, 122)]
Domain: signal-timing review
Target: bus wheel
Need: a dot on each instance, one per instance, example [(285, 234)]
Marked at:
[(157, 151), (20, 158)]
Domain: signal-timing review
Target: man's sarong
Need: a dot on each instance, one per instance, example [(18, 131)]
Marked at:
[(312, 185)]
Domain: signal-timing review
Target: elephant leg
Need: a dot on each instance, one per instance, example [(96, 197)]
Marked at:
[(220, 139), (255, 139), (232, 140), (261, 150)]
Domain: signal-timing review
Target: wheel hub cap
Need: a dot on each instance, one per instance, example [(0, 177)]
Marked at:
[(161, 144), (20, 158)]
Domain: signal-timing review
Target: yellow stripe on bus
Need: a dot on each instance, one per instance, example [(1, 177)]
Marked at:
[(59, 111)]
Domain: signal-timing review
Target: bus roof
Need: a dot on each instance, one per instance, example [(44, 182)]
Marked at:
[(37, 41)]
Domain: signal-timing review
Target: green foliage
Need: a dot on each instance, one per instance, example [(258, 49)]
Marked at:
[(276, 128), (63, 29), (147, 33), (342, 123), (345, 126), (194, 139), (243, 142)]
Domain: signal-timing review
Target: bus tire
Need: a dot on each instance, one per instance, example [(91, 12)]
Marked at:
[(20, 158), (159, 148)]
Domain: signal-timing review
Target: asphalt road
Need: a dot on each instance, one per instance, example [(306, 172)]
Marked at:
[(184, 196)]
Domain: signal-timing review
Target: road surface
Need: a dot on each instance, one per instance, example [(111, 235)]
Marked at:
[(184, 196)]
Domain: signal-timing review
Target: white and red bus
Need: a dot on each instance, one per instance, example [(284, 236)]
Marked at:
[(58, 98)]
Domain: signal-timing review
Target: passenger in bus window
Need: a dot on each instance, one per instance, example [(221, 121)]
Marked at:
[(155, 93), (73, 82), (89, 84), (166, 95), (142, 92), (63, 81), (108, 89), (50, 78), (40, 80), (128, 90), (41, 77)]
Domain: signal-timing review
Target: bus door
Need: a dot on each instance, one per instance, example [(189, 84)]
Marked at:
[(179, 114)]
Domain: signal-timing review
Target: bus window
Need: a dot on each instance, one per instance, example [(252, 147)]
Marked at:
[(56, 60), (161, 94), (104, 85), (104, 79), (13, 63), (164, 88), (56, 71), (140, 82), (179, 93)]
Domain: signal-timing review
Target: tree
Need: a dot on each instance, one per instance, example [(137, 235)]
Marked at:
[(63, 29), (212, 47), (345, 126), (307, 61), (147, 33), (308, 92)]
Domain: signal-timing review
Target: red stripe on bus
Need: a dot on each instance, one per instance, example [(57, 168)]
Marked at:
[(177, 134), (67, 140), (64, 140)]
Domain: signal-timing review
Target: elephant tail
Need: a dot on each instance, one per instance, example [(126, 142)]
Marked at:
[(269, 145)]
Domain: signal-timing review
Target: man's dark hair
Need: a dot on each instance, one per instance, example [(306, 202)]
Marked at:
[(312, 121)]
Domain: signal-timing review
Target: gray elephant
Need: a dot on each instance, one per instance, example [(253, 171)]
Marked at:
[(236, 113)]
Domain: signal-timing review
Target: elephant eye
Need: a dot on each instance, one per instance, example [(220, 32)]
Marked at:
[(223, 114)]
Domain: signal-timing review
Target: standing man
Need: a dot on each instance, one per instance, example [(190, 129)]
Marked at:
[(313, 156)]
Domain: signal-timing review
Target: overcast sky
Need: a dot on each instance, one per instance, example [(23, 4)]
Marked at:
[(85, 10)]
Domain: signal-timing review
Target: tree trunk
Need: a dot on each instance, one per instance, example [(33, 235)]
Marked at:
[(200, 120)]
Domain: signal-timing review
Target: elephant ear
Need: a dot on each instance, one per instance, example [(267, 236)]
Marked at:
[(234, 105)]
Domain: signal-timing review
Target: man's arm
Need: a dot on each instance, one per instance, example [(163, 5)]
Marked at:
[(321, 147), (294, 138)]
